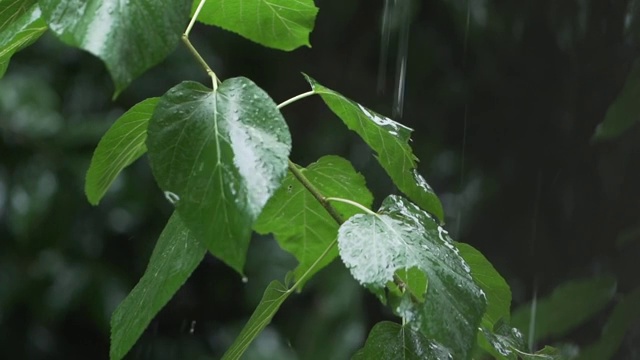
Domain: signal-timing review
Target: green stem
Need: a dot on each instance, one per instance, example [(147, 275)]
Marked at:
[(347, 201), (296, 98), (315, 192), (194, 52), (312, 267)]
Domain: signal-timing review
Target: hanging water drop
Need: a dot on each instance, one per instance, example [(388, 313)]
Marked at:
[(171, 197), (245, 280)]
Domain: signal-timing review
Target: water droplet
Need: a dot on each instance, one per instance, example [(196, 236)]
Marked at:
[(192, 329), (171, 197), (245, 280)]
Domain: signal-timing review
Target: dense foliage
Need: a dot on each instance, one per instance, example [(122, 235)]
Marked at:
[(221, 156)]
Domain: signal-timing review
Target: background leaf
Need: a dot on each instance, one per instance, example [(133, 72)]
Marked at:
[(570, 304), (625, 110), (128, 36), (492, 284), (625, 314), (279, 24), (221, 154), (174, 258), (300, 224), (275, 294), (388, 340), (390, 140), (20, 25), (123, 144), (403, 236)]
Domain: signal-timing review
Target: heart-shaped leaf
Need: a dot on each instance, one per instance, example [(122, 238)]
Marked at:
[(123, 144), (300, 224), (20, 25), (219, 156), (279, 24), (128, 36), (402, 236), (390, 140), (175, 257)]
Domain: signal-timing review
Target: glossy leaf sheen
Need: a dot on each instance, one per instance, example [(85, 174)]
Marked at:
[(174, 258), (389, 341), (279, 24), (492, 284), (123, 143), (507, 343), (221, 155), (128, 36), (568, 306), (20, 25), (404, 236), (390, 140), (625, 110), (275, 294), (300, 224)]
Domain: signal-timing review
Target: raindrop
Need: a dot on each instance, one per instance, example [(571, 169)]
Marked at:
[(245, 280), (171, 197), (404, 19), (192, 329)]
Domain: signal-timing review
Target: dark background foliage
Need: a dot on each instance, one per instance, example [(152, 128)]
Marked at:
[(504, 98)]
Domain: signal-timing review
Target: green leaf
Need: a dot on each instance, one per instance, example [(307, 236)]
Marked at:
[(279, 24), (275, 294), (402, 236), (508, 343), (569, 305), (219, 155), (390, 140), (413, 280), (128, 36), (625, 314), (123, 144), (174, 258), (492, 284), (625, 110), (20, 25), (389, 341), (300, 224)]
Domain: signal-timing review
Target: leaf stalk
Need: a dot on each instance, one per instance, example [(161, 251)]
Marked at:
[(194, 52), (315, 192)]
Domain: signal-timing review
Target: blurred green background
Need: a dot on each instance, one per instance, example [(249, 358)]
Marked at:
[(504, 97)]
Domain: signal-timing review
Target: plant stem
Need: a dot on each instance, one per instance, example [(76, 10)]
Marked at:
[(296, 98), (194, 52), (315, 192), (347, 201), (315, 263)]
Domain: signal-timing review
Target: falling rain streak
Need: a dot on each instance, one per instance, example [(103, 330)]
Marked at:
[(396, 17)]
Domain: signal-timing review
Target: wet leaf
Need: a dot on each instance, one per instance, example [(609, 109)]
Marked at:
[(625, 110), (402, 236), (128, 36), (275, 294), (570, 305), (20, 25), (300, 224), (174, 258), (507, 343), (219, 156), (279, 24), (389, 341), (390, 141), (625, 314), (492, 284), (123, 144)]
